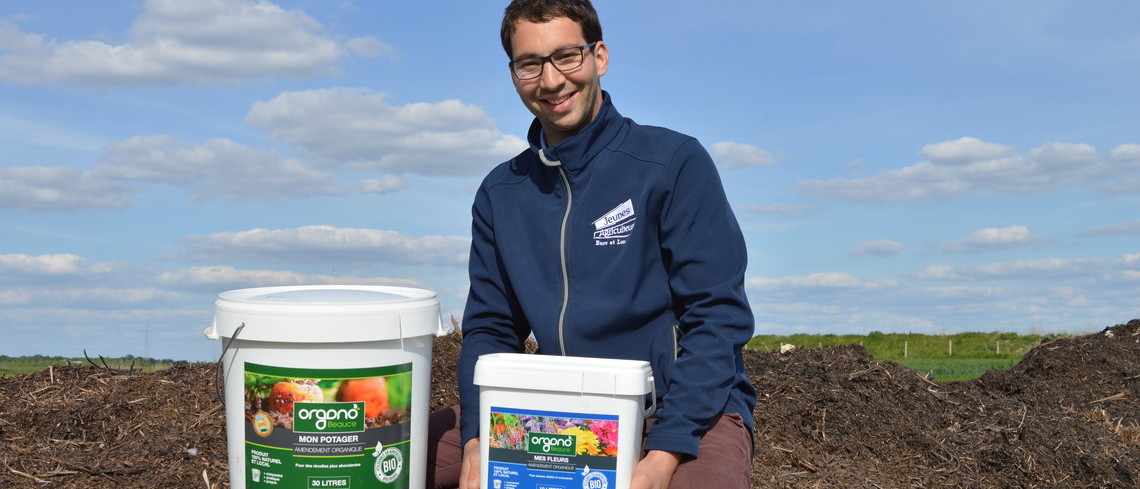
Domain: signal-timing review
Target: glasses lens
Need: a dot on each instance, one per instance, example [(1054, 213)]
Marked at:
[(527, 68), (567, 59)]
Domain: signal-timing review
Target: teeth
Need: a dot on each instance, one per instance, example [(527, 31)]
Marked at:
[(558, 101)]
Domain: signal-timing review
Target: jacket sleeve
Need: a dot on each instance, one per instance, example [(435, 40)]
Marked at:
[(489, 324), (705, 258)]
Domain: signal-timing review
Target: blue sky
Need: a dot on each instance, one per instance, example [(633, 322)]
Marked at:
[(897, 166)]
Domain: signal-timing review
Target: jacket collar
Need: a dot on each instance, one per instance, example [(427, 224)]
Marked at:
[(574, 152)]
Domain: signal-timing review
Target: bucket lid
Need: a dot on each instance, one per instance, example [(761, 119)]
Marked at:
[(564, 374), (325, 314)]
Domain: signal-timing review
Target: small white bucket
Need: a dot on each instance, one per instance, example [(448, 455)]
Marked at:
[(326, 386), (553, 421)]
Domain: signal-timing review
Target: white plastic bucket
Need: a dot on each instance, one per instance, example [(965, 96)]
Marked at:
[(326, 386), (553, 421)]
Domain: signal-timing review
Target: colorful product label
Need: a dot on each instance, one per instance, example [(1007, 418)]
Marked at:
[(327, 428), (530, 449)]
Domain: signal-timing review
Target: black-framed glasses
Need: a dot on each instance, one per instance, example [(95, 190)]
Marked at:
[(564, 60)]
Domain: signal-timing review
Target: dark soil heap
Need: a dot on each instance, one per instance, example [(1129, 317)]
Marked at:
[(1067, 416)]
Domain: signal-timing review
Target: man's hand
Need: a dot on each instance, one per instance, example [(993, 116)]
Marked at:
[(469, 470), (655, 470)]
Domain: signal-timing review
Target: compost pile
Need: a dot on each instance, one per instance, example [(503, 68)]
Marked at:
[(1067, 416)]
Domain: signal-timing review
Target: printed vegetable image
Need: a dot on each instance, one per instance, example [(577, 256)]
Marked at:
[(287, 392), (400, 391), (373, 392), (387, 399)]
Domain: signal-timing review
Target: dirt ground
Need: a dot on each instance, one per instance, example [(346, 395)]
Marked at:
[(1067, 416)]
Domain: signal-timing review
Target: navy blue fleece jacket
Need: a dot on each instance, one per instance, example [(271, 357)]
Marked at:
[(617, 242)]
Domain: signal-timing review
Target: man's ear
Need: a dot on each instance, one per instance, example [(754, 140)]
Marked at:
[(601, 57)]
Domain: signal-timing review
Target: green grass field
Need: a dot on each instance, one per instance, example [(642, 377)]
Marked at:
[(956, 357), (35, 363), (961, 356)]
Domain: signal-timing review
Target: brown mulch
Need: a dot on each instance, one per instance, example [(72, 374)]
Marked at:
[(1067, 416)]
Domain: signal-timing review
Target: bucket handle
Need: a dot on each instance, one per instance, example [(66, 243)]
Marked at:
[(218, 366), (648, 411)]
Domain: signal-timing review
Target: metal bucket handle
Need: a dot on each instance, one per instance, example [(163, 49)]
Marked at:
[(212, 333)]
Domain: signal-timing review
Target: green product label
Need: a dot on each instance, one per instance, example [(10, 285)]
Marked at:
[(328, 428)]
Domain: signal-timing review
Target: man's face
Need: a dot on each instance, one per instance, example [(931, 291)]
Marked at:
[(562, 102)]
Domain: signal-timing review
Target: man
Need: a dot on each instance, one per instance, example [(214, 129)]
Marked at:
[(610, 239)]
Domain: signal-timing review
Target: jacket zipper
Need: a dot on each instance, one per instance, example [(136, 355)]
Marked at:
[(562, 257)]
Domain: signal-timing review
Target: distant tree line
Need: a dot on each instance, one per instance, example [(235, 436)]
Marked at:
[(47, 360)]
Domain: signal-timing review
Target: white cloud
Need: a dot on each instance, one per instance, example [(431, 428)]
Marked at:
[(939, 272), (1122, 161), (820, 281), (994, 239), (66, 280), (1064, 156), (953, 168), (1040, 268), (1093, 270), (326, 244), (964, 150), (880, 247), (1052, 294), (384, 185), (1122, 185), (1120, 229), (738, 155), (360, 128), (1126, 154), (226, 278), (925, 180), (964, 292), (59, 188), (55, 265), (71, 296), (369, 47), (777, 208), (178, 42), (217, 169)]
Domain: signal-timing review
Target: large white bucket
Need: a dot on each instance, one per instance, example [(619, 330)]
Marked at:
[(326, 386), (560, 422)]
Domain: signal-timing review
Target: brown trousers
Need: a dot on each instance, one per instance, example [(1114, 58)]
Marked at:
[(725, 454)]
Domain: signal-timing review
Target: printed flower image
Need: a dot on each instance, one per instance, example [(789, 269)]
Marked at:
[(587, 440), (593, 437), (607, 432), (507, 432)]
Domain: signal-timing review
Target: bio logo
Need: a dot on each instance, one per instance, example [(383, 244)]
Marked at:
[(595, 480), (328, 417), (551, 443), (389, 464)]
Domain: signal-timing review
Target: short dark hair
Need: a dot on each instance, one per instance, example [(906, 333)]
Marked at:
[(580, 11)]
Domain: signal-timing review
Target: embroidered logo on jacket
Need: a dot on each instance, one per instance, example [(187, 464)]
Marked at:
[(615, 226)]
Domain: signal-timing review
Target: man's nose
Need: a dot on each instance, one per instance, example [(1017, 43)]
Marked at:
[(551, 76)]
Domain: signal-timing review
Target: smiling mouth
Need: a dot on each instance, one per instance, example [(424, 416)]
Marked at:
[(558, 101)]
